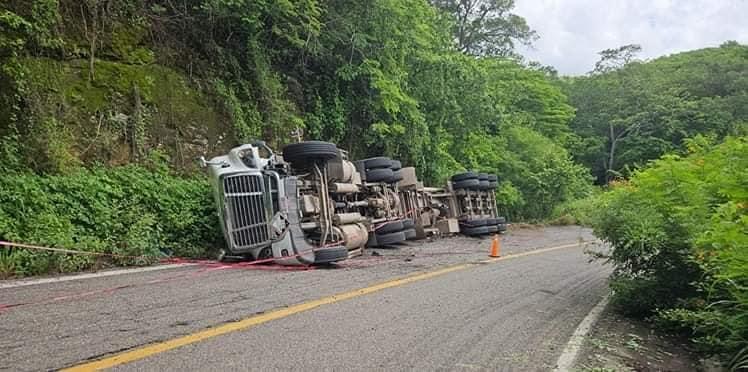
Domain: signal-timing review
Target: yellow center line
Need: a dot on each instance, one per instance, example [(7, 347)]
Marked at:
[(157, 348)]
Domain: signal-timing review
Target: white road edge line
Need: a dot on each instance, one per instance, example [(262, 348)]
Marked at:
[(27, 282), (570, 354)]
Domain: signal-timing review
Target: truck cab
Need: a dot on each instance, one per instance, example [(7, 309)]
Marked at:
[(259, 208)]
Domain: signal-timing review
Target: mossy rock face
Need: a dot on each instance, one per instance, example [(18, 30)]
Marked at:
[(127, 44), (120, 113)]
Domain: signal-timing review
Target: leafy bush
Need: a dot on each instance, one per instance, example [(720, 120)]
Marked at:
[(577, 211), (679, 232), (126, 211), (535, 174)]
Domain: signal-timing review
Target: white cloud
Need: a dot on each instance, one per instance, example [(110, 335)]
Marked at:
[(572, 32)]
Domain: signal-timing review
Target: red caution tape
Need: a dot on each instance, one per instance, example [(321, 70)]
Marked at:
[(162, 260), (208, 266)]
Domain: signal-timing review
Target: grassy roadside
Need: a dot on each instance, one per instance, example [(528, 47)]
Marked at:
[(622, 344), (678, 232), (128, 211)]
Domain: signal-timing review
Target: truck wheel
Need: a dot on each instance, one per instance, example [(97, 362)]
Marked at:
[(483, 176), (474, 231), (378, 175), (501, 227), (390, 227), (492, 229), (484, 185), (306, 152), (377, 163), (408, 224), (495, 221), (464, 176), (410, 234), (396, 165), (473, 183), (397, 176), (330, 255), (391, 238), (475, 223)]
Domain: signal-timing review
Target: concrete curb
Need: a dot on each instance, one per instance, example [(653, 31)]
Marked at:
[(570, 354), (67, 278)]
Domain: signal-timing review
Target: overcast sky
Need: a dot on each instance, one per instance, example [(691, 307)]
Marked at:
[(572, 32)]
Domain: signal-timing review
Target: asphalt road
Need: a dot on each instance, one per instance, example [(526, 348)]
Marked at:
[(514, 314)]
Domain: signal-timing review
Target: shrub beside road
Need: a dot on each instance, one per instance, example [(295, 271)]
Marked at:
[(127, 210), (679, 233)]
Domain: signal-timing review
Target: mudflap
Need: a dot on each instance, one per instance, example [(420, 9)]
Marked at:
[(285, 252)]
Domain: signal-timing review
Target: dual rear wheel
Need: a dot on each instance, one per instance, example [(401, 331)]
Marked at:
[(382, 169), (395, 232), (474, 181)]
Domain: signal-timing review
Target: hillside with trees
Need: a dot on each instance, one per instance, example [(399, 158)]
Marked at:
[(105, 105), (629, 112), (109, 83)]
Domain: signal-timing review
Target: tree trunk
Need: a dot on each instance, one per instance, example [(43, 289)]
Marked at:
[(92, 55), (611, 155), (91, 33), (136, 131)]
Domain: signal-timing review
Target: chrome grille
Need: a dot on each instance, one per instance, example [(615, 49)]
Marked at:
[(246, 213)]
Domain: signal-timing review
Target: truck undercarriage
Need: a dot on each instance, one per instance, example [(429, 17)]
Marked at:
[(312, 205)]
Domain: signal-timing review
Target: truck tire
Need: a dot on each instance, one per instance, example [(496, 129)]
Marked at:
[(464, 176), (408, 224), (492, 229), (307, 152), (377, 163), (483, 176), (397, 176), (495, 221), (410, 234), (484, 185), (471, 184), (330, 255), (475, 223), (390, 227), (474, 231), (501, 227), (391, 238), (396, 165), (378, 175)]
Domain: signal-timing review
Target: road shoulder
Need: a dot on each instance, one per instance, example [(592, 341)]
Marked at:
[(617, 343)]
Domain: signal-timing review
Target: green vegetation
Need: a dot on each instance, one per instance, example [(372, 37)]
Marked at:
[(679, 233), (128, 210), (92, 91), (630, 112), (580, 211), (105, 82)]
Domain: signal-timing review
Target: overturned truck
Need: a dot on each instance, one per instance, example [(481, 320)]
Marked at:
[(313, 205)]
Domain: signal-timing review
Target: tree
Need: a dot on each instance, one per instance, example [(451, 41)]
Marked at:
[(93, 11), (614, 59), (630, 112), (486, 27)]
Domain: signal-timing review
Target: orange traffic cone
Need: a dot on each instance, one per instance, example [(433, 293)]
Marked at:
[(495, 247)]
